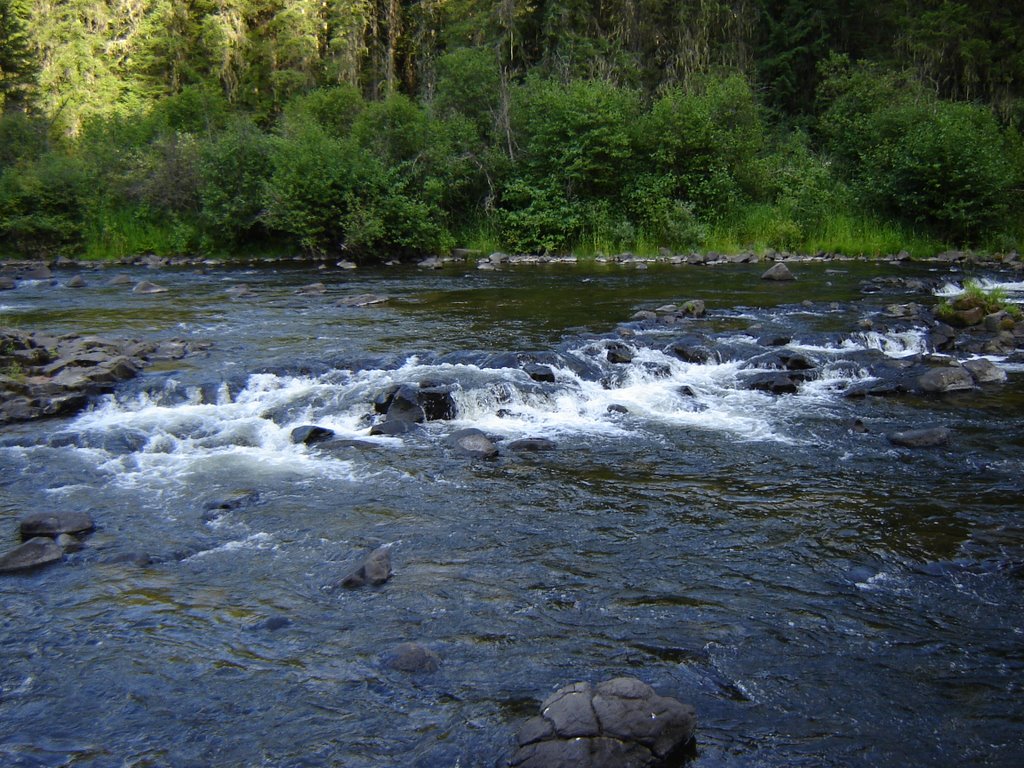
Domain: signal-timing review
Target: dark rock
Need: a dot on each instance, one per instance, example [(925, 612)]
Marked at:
[(538, 372), (374, 570), (309, 434), (617, 408), (920, 438), (76, 282), (774, 341), (6, 283), (313, 289), (532, 444), (950, 379), (68, 543), (121, 279), (394, 428), (404, 406), (620, 722), (618, 353), (53, 524), (32, 554), (1003, 343), (36, 272), (692, 349), (775, 383), (436, 401), (236, 500), (411, 658), (693, 308), (985, 371), (473, 443), (794, 361), (778, 271), (964, 318)]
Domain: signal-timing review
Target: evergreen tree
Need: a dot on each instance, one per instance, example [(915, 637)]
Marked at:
[(17, 67)]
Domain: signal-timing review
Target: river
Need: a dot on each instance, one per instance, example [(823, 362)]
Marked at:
[(822, 597)]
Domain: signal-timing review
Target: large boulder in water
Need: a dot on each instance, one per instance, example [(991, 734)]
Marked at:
[(473, 443), (53, 524), (620, 723), (34, 553), (411, 658), (779, 272), (949, 379)]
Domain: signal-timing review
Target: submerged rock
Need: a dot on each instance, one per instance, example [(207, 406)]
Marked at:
[(34, 553), (374, 570), (617, 724), (532, 444), (473, 443), (411, 658), (147, 287), (921, 438)]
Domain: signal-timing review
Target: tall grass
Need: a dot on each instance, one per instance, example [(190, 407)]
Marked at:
[(122, 233)]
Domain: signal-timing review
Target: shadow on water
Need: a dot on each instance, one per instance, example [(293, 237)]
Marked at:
[(823, 597)]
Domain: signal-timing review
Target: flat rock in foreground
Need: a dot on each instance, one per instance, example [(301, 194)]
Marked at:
[(620, 723)]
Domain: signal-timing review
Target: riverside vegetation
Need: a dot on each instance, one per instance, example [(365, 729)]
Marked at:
[(382, 129)]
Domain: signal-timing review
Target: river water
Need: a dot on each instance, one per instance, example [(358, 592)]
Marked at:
[(822, 597)]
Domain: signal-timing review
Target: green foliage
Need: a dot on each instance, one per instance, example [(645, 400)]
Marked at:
[(234, 167), (333, 109), (469, 84), (947, 167), (23, 138), (41, 206)]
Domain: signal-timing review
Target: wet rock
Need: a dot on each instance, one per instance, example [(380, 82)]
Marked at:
[(394, 428), (76, 282), (620, 722), (985, 371), (37, 271), (778, 271), (313, 289), (404, 406), (921, 438), (617, 408), (692, 308), (121, 279), (774, 383), (532, 444), (68, 543), (146, 287), (436, 401), (6, 283), (618, 353), (53, 524), (692, 349), (309, 434), (1003, 343), (473, 443), (941, 380), (34, 553), (363, 300), (538, 372), (411, 658), (235, 500), (374, 570)]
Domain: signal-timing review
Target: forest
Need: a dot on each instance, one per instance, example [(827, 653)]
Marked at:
[(392, 128)]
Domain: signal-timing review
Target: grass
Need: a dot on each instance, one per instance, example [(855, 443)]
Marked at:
[(121, 233)]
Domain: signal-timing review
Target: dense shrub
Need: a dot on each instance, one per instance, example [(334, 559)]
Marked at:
[(41, 204)]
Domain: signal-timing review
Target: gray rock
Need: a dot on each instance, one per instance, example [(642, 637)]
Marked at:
[(949, 379), (985, 371), (693, 308), (147, 287), (411, 658), (76, 282), (473, 443), (920, 438), (32, 554), (778, 271), (6, 283), (620, 722), (374, 570), (121, 279), (363, 300), (313, 289), (532, 444), (53, 524)]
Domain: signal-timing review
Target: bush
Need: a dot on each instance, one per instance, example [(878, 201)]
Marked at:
[(234, 167), (333, 109), (469, 85), (41, 206)]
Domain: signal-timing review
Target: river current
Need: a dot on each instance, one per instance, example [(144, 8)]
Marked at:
[(822, 597)]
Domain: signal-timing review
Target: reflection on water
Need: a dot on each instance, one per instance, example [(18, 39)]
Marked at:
[(822, 597)]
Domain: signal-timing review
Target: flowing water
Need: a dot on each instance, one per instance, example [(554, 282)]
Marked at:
[(822, 597)]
